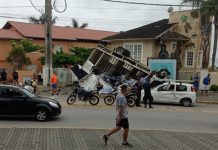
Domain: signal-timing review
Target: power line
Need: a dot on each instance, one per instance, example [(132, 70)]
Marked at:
[(18, 6), (152, 4), (35, 7), (56, 9)]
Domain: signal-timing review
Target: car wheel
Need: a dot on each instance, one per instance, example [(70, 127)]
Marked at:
[(186, 102), (42, 115)]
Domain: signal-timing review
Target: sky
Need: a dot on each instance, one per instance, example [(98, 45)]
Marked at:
[(99, 14)]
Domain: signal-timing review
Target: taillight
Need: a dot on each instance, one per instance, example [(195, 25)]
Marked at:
[(192, 89)]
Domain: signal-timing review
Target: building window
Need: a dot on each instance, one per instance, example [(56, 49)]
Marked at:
[(135, 50), (189, 58), (174, 46), (58, 48), (199, 60)]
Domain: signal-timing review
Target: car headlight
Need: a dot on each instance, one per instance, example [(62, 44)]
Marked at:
[(52, 104)]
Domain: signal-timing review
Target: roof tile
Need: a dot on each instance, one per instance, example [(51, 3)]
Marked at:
[(150, 31), (10, 34), (31, 30)]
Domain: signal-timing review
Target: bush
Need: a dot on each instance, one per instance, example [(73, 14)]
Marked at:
[(214, 87)]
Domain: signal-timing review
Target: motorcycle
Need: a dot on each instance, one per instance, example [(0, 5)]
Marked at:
[(79, 93), (110, 98)]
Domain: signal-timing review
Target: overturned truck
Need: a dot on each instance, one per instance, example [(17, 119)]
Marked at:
[(116, 62)]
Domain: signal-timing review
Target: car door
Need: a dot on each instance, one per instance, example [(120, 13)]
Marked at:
[(20, 105), (181, 92), (6, 98), (165, 93), (4, 102)]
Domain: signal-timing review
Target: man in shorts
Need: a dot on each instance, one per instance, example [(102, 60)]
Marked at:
[(121, 119), (54, 80), (206, 83)]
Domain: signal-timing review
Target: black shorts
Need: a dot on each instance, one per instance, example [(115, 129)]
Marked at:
[(123, 123)]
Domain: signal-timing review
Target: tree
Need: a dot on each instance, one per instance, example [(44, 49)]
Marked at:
[(29, 46), (81, 54), (17, 55), (41, 19), (78, 55), (75, 24), (208, 8)]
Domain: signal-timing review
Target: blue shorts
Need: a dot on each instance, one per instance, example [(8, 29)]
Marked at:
[(54, 86)]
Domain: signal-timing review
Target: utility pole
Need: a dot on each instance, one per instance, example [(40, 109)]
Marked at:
[(48, 41)]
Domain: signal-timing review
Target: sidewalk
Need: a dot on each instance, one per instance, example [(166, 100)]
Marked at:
[(90, 139), (212, 97)]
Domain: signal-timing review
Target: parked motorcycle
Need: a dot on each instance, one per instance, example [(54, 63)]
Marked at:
[(79, 93), (110, 98)]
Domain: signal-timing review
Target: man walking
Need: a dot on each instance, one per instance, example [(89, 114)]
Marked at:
[(121, 119), (147, 90)]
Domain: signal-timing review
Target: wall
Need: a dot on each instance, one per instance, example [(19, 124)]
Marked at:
[(149, 48), (34, 57), (67, 44), (5, 48), (189, 26)]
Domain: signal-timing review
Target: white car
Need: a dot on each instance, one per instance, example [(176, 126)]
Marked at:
[(173, 92)]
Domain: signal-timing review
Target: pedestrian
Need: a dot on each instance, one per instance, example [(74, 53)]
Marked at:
[(99, 86), (196, 81), (206, 83), (15, 76), (54, 80), (121, 118), (138, 88), (34, 83), (147, 90), (3, 76)]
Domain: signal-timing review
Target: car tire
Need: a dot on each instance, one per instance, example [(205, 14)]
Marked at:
[(186, 102), (42, 115)]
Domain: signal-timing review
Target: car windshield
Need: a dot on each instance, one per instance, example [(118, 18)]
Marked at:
[(31, 95)]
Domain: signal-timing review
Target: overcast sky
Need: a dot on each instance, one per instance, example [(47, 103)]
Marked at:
[(98, 14)]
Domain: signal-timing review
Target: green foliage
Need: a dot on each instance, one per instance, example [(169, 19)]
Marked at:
[(77, 56), (75, 24), (81, 54), (207, 7), (17, 55), (214, 87), (41, 19), (29, 46), (61, 58)]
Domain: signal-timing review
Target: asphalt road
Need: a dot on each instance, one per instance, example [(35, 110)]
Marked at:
[(201, 118)]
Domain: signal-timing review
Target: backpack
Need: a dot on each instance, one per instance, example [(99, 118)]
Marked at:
[(205, 81)]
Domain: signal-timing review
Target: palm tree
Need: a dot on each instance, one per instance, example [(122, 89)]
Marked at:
[(208, 8), (75, 24), (41, 19)]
